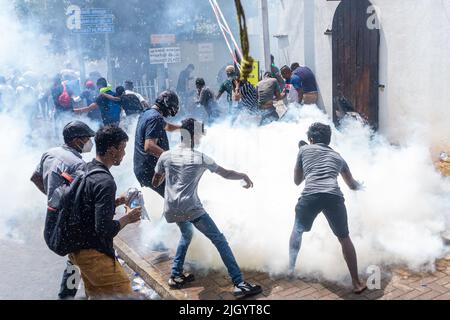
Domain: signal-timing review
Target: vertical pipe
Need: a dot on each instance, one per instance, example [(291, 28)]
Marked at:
[(266, 35), (81, 61), (108, 57)]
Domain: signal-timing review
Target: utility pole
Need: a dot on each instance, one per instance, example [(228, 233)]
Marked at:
[(266, 35), (81, 60), (108, 58)]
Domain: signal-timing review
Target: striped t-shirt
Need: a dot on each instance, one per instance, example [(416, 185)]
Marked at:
[(249, 97), (321, 168)]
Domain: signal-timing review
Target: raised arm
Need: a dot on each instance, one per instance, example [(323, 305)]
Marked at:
[(233, 175), (93, 106), (172, 127), (110, 97)]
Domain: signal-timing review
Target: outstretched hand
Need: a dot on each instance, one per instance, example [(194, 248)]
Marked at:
[(361, 186), (248, 182)]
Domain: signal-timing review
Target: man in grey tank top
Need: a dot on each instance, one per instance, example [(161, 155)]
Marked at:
[(320, 166)]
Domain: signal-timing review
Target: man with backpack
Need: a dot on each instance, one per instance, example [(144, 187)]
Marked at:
[(64, 160), (62, 97), (129, 90), (129, 102), (101, 272)]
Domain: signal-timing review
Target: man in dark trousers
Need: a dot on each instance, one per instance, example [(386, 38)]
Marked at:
[(65, 159), (151, 141), (320, 166)]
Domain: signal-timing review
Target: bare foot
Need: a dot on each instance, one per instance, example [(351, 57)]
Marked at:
[(359, 287)]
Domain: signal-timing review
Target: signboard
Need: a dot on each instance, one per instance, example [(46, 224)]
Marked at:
[(162, 39), (89, 21), (206, 52), (254, 76), (165, 55)]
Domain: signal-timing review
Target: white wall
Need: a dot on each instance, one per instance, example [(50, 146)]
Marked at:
[(414, 62)]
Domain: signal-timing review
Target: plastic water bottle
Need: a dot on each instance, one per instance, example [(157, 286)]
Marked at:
[(134, 203), (135, 200)]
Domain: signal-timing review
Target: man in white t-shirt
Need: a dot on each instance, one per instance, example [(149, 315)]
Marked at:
[(182, 169)]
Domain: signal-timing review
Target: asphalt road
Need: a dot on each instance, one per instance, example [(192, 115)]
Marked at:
[(28, 269)]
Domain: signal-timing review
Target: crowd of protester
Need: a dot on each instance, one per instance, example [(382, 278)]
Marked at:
[(172, 173)]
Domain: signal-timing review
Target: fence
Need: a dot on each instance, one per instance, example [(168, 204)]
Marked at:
[(148, 89)]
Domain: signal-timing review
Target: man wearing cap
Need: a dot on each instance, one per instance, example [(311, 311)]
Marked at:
[(65, 159)]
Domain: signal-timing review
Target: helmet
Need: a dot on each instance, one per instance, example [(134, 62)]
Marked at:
[(77, 129), (168, 103)]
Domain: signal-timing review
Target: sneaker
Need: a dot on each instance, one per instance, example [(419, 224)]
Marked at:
[(245, 289), (179, 281)]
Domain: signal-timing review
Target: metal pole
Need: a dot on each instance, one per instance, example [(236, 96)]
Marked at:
[(81, 61), (108, 58), (266, 35)]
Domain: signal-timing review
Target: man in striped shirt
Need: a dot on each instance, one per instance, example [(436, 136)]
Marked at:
[(246, 96)]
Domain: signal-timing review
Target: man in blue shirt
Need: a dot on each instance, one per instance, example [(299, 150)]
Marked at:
[(110, 109), (302, 80), (151, 138)]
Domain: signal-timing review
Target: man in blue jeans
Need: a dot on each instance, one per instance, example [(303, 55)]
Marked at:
[(182, 168), (320, 166)]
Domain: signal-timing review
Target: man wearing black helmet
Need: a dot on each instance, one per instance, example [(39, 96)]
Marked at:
[(65, 159), (151, 138)]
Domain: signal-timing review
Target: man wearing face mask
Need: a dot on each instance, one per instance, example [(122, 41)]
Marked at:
[(65, 159)]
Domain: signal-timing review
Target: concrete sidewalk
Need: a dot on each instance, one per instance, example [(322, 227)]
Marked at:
[(154, 267)]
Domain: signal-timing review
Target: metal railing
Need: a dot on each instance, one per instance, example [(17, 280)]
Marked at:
[(148, 89)]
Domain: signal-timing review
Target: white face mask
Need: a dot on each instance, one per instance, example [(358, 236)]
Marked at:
[(87, 148)]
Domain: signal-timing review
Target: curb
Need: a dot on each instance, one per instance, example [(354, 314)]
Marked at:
[(151, 276)]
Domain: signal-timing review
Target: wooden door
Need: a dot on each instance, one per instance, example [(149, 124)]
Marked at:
[(356, 45)]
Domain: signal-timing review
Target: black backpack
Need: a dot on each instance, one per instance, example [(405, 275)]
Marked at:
[(131, 104), (62, 231)]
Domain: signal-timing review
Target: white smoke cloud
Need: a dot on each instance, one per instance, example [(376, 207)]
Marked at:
[(398, 219)]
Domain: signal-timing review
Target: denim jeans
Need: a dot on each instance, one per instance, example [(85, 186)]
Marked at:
[(206, 226)]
